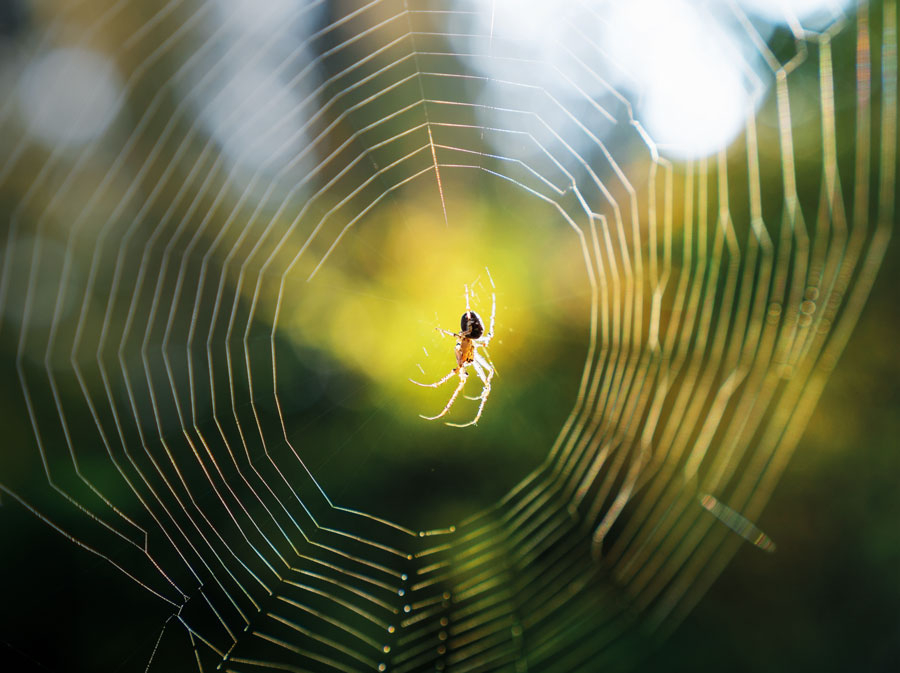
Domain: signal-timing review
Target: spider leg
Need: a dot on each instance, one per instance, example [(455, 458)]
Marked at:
[(485, 361), (439, 383), (446, 332), (485, 339), (486, 381), (490, 333), (480, 365), (463, 375)]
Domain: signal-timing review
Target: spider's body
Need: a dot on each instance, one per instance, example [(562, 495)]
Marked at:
[(471, 329), (469, 339)]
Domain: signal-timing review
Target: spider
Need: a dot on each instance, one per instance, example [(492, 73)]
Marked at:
[(469, 339)]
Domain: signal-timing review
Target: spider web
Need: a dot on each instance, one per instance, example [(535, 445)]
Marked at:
[(213, 403)]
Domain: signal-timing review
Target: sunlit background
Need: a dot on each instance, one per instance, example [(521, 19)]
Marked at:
[(234, 230)]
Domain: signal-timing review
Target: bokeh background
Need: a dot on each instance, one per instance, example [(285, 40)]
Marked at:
[(117, 175)]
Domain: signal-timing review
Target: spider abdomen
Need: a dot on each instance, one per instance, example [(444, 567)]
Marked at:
[(470, 325), (465, 352)]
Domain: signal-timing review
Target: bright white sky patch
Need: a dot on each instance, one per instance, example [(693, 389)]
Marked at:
[(692, 95), (68, 96), (812, 14), (689, 68), (524, 19)]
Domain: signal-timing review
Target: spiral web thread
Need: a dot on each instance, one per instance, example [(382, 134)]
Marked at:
[(720, 299)]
